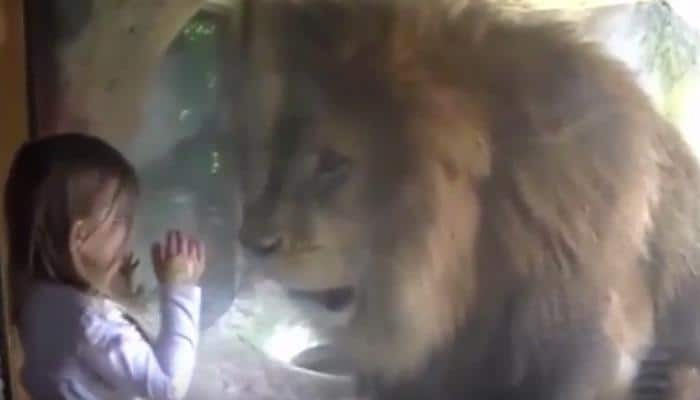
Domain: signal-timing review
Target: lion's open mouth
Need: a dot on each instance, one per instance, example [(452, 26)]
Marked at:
[(333, 299)]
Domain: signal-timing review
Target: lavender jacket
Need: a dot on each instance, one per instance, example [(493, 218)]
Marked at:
[(82, 347)]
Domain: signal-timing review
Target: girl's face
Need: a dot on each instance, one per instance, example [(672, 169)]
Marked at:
[(101, 241)]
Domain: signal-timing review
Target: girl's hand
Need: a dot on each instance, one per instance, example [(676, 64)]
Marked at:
[(180, 259), (123, 285), (128, 267)]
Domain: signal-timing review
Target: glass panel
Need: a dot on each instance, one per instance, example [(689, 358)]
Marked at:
[(191, 92)]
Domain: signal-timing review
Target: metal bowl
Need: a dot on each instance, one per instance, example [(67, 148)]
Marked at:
[(328, 368)]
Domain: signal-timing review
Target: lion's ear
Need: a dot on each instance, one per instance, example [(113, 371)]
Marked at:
[(323, 25), (341, 30), (456, 131)]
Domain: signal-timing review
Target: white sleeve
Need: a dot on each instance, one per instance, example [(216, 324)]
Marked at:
[(126, 361)]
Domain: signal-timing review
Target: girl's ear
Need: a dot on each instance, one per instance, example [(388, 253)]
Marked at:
[(76, 239)]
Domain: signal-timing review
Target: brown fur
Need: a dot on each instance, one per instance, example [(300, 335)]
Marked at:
[(517, 220)]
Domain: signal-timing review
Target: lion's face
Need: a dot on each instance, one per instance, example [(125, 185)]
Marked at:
[(368, 211), (308, 227), (365, 224)]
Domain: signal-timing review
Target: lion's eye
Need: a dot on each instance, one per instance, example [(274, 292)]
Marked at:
[(332, 170)]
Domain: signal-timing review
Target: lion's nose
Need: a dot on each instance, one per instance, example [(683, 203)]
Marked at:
[(262, 244)]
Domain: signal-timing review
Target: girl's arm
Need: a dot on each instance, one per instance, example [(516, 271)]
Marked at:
[(126, 361), (177, 343)]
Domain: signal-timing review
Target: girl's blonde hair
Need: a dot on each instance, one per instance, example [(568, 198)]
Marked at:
[(53, 182)]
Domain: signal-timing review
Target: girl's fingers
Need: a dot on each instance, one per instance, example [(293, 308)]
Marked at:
[(133, 262), (202, 255), (163, 252), (197, 255), (180, 243), (157, 253), (191, 248), (169, 254), (171, 244)]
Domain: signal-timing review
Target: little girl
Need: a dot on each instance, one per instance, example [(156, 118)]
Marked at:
[(68, 205)]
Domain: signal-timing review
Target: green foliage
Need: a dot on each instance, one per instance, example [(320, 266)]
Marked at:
[(671, 45), (193, 73), (197, 30)]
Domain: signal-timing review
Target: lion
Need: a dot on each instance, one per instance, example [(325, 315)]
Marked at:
[(475, 206)]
